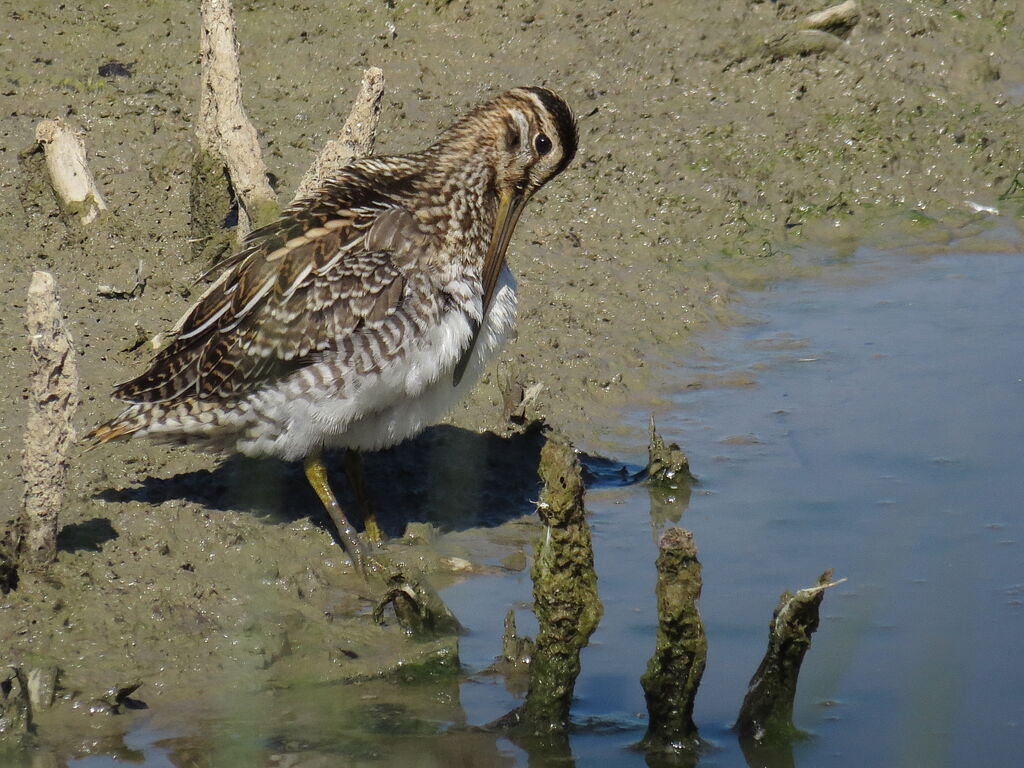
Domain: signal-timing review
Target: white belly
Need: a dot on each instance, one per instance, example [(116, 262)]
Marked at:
[(382, 409)]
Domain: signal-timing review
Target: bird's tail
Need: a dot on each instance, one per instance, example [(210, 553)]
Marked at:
[(211, 426), (122, 426)]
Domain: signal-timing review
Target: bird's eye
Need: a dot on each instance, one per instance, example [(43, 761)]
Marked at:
[(542, 143)]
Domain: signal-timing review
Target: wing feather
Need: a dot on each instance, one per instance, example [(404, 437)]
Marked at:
[(298, 287)]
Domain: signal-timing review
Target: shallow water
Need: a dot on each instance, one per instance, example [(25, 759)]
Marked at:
[(880, 436), (873, 426)]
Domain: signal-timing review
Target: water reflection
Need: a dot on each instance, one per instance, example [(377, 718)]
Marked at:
[(668, 505)]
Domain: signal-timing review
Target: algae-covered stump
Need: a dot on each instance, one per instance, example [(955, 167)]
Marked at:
[(564, 593), (767, 711), (667, 464), (674, 671)]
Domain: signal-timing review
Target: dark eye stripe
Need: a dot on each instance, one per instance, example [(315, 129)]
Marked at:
[(564, 123)]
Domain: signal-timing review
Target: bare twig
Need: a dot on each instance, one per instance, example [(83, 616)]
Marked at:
[(356, 138), (53, 398), (72, 180), (223, 128)]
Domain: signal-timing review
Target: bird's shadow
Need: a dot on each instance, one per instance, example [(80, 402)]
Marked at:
[(454, 478)]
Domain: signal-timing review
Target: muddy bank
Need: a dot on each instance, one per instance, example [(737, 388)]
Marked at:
[(707, 148)]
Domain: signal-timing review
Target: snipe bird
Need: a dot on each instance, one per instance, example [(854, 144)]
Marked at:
[(365, 311)]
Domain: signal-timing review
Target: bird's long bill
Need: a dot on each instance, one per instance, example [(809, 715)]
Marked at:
[(510, 206)]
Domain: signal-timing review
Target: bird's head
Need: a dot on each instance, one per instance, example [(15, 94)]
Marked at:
[(526, 137), (533, 138)]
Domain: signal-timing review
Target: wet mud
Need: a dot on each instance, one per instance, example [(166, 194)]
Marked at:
[(713, 136)]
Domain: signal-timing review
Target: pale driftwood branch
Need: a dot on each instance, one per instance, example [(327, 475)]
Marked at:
[(53, 398), (223, 128), (356, 138), (838, 19), (69, 170)]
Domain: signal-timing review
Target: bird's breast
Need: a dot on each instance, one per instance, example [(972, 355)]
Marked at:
[(417, 389)]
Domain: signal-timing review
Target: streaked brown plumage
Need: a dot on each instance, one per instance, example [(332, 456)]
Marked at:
[(350, 321)]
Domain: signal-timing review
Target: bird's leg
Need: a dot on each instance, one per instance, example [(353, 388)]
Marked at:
[(356, 477), (316, 473), (418, 607)]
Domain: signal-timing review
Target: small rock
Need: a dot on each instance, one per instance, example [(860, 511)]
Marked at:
[(515, 561), (115, 69), (802, 42), (458, 564)]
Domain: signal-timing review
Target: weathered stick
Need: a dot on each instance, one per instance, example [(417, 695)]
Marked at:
[(223, 128), (53, 398), (565, 595), (76, 188), (357, 136), (767, 711), (674, 671)]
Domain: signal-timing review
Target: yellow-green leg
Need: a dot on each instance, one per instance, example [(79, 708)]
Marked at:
[(316, 473), (354, 470)]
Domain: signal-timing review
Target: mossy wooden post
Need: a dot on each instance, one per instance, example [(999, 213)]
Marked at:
[(564, 591), (667, 465), (674, 671), (767, 711)]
